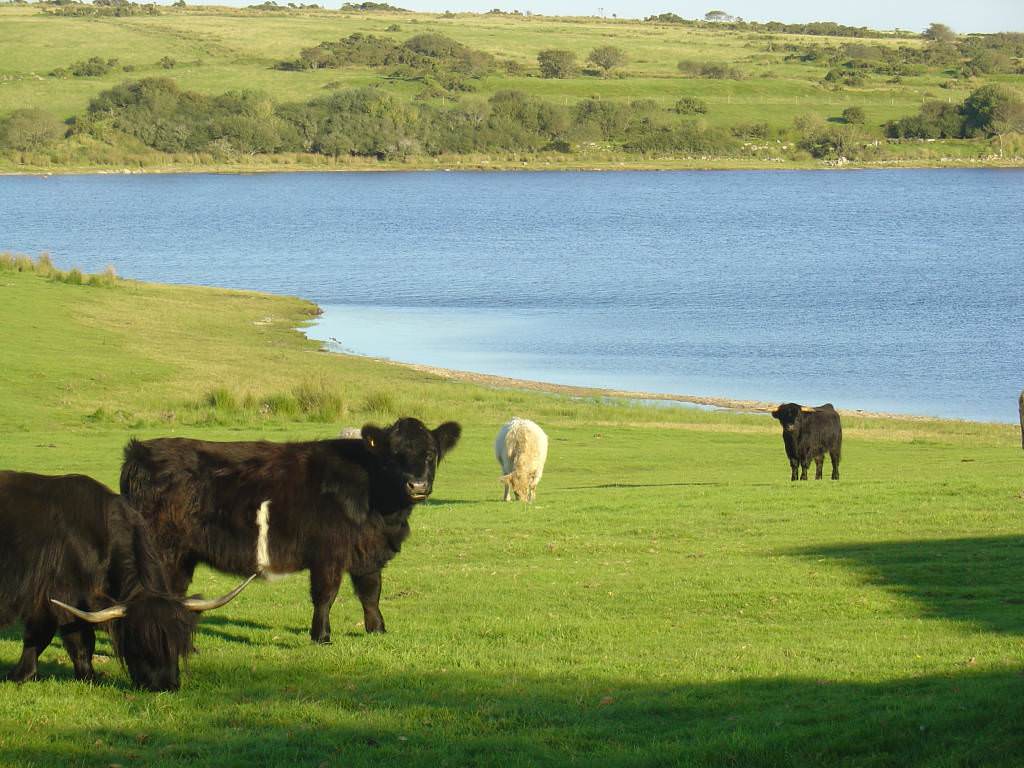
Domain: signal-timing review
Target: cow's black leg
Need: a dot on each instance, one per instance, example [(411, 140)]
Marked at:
[(368, 590), (819, 464), (834, 456), (39, 631), (795, 467), (80, 643), (803, 469), (324, 581)]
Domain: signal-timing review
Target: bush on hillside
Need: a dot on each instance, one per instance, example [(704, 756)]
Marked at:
[(689, 105), (28, 130), (557, 64)]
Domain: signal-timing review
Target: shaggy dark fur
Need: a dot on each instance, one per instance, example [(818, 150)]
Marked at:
[(810, 435), (1020, 407), (335, 506), (72, 539)]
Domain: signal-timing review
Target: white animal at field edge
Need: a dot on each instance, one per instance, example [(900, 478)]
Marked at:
[(521, 448)]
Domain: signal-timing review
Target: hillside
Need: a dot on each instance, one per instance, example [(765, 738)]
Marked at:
[(685, 94)]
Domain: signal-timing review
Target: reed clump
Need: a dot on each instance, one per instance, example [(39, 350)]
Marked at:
[(380, 403), (43, 266), (311, 400)]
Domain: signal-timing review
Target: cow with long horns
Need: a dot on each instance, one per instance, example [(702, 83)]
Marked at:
[(72, 555), (327, 506), (809, 433)]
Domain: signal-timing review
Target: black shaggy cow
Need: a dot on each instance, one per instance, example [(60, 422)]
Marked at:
[(67, 545), (330, 506), (810, 433), (1020, 408)]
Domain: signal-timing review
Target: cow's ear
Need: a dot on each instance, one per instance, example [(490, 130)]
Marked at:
[(375, 438), (776, 414), (446, 436)]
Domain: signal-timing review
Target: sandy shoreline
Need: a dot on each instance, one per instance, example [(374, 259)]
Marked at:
[(498, 165), (725, 403)]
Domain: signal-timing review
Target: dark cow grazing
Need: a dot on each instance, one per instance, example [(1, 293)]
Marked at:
[(330, 506), (810, 433), (1020, 407), (67, 545)]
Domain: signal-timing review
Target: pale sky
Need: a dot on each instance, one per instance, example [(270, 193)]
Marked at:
[(914, 15)]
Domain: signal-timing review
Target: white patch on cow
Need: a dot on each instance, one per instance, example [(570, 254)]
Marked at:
[(263, 538)]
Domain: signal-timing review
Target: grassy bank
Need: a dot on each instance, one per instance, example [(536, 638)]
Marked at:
[(671, 599), (776, 80)]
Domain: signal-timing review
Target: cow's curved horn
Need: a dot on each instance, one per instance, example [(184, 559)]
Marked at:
[(199, 605), (94, 617), (807, 409)]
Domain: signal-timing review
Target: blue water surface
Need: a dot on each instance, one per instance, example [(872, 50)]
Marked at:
[(884, 290)]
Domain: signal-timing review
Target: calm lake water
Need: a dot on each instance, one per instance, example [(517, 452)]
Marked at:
[(882, 290)]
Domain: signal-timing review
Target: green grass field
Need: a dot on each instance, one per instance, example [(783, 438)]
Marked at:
[(671, 599), (221, 49)]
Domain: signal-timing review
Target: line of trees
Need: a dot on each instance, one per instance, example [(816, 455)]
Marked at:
[(821, 28), (442, 58), (989, 111), (428, 52), (969, 56), (369, 122), (101, 8)]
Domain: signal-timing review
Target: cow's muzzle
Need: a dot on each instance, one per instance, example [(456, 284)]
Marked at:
[(418, 490)]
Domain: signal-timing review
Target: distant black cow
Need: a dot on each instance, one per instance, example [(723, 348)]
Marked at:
[(810, 433), (68, 545), (330, 506), (1020, 408)]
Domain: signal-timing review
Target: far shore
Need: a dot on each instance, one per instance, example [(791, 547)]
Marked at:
[(538, 165)]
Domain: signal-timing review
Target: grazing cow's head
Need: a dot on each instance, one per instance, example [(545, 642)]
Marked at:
[(151, 638), (522, 484), (410, 452), (789, 415), (152, 633)]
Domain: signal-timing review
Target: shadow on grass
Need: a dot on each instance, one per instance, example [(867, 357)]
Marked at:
[(649, 485), (979, 580), (227, 621), (278, 716), (232, 637)]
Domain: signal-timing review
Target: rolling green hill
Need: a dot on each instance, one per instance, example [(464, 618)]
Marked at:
[(766, 95)]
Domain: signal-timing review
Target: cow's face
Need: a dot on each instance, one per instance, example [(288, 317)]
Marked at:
[(410, 452), (788, 415), (522, 484), (154, 635)]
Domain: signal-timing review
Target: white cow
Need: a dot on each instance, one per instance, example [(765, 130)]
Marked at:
[(521, 448)]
